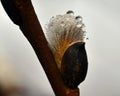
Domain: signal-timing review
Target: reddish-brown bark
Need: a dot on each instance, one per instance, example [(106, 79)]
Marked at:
[(28, 22)]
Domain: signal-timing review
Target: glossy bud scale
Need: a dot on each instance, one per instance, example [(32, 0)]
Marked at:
[(74, 65)]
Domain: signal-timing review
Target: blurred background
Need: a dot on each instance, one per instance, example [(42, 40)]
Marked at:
[(21, 70)]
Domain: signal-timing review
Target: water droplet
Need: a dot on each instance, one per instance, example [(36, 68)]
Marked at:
[(78, 18), (70, 12), (79, 25), (87, 38)]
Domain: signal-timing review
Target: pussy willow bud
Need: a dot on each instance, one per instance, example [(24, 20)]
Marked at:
[(65, 35)]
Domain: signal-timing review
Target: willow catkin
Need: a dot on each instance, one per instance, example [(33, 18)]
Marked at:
[(63, 31)]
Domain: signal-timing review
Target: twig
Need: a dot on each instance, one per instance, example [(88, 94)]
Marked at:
[(22, 13)]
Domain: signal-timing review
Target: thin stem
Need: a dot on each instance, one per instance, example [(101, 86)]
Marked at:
[(32, 30)]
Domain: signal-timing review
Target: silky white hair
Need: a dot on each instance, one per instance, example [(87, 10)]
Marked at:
[(63, 31)]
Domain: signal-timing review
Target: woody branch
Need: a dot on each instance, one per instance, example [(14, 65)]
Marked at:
[(22, 13)]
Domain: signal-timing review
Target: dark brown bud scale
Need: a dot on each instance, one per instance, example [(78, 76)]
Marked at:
[(74, 65)]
